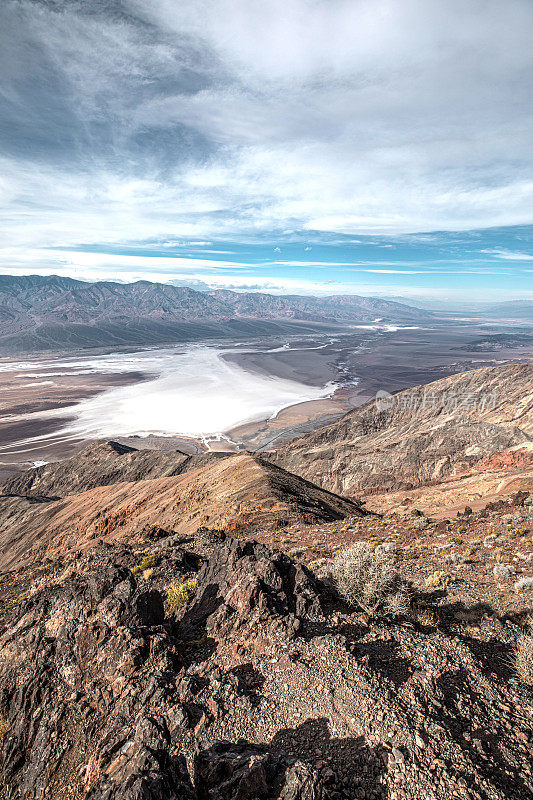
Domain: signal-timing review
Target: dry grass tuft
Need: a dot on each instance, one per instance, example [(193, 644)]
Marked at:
[(398, 604), (368, 578), (524, 658), (180, 593)]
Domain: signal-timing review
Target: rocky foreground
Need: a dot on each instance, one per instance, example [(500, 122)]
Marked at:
[(175, 626), (217, 669)]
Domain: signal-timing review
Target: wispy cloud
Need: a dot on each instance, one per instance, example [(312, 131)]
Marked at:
[(508, 255), (230, 116)]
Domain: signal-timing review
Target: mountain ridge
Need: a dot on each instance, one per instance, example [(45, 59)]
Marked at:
[(416, 436), (239, 493), (51, 312)]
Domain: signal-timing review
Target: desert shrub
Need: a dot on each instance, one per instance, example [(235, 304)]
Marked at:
[(438, 580), (524, 585), (179, 593), (148, 562), (398, 604), (368, 578), (503, 570), (524, 658)]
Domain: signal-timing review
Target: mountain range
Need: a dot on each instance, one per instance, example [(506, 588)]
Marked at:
[(57, 313)]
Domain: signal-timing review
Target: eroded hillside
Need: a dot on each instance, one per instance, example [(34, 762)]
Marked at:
[(428, 433)]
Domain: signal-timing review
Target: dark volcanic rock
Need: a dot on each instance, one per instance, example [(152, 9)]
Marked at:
[(92, 651), (251, 593), (93, 688), (104, 697), (143, 768), (228, 771)]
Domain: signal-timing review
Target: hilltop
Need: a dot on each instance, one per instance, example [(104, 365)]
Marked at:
[(238, 493), (173, 627)]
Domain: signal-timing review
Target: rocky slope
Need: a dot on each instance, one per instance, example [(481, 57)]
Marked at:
[(102, 464), (428, 433), (263, 686), (156, 645), (237, 493), (48, 313)]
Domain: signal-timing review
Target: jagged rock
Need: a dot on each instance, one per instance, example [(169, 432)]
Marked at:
[(90, 649), (102, 697), (241, 771), (143, 769), (245, 583), (96, 647)]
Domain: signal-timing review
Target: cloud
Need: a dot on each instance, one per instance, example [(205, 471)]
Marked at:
[(110, 266), (508, 255), (228, 118)]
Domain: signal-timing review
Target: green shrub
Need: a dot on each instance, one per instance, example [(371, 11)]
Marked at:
[(147, 563), (180, 593)]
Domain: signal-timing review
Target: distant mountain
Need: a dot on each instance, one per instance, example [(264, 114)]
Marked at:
[(56, 313), (513, 309)]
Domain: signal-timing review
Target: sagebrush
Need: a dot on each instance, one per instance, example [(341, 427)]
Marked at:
[(368, 578)]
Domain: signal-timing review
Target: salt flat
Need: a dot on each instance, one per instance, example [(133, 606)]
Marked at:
[(255, 393)]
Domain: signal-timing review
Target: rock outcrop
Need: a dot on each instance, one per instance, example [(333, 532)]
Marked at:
[(250, 595), (229, 770), (89, 683), (261, 687)]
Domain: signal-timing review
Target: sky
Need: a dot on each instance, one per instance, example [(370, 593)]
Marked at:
[(377, 147)]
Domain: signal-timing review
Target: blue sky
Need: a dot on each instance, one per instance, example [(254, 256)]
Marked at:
[(365, 146), (480, 265)]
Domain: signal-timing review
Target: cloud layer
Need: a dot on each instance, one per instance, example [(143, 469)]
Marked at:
[(124, 120)]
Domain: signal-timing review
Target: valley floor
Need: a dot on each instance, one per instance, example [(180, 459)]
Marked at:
[(41, 398)]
